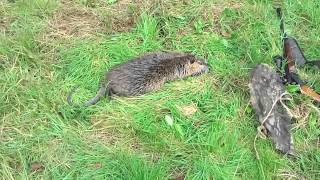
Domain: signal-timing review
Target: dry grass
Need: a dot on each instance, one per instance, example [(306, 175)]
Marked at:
[(301, 112), (112, 130), (120, 16), (286, 174), (188, 110), (215, 10), (178, 174), (4, 24), (76, 20), (73, 20), (5, 20)]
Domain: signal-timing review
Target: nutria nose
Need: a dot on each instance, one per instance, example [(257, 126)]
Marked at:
[(206, 68), (205, 61)]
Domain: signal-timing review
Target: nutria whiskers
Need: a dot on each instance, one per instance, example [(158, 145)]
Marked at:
[(146, 73)]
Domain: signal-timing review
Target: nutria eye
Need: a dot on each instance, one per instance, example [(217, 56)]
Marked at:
[(192, 61)]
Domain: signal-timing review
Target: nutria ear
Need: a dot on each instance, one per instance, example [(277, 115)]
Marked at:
[(192, 60)]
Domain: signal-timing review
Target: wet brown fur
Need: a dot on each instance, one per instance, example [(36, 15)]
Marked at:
[(147, 73)]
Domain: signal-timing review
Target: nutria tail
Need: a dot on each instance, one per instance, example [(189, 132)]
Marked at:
[(101, 92)]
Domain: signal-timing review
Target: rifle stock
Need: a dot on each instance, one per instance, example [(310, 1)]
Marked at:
[(294, 56), (309, 92)]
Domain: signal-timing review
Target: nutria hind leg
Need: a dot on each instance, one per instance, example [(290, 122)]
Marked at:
[(110, 93)]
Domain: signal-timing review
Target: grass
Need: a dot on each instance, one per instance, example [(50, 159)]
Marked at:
[(128, 138)]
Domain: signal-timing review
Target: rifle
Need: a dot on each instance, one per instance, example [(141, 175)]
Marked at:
[(293, 57)]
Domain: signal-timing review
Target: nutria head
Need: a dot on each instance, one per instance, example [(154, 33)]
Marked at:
[(195, 66)]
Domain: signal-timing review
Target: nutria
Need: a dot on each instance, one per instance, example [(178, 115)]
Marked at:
[(146, 73)]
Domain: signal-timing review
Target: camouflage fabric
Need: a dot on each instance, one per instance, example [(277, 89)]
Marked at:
[(266, 88)]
